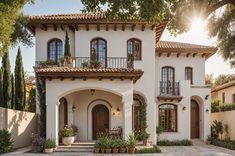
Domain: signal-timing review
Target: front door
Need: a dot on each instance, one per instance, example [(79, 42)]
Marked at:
[(194, 119), (100, 118)]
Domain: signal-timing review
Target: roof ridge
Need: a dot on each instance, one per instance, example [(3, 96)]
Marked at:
[(68, 14)]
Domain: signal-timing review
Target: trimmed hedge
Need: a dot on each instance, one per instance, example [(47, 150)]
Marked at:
[(229, 144), (184, 142), (217, 107), (154, 149)]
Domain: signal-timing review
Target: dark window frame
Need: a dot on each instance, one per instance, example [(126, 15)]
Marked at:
[(189, 70), (97, 46), (56, 40), (133, 55), (168, 121), (168, 68)]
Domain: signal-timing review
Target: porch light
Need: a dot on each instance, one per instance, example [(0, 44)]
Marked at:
[(207, 110), (73, 108), (184, 108), (207, 96), (118, 110), (92, 91)]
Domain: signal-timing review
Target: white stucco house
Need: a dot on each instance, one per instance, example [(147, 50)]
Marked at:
[(137, 69)]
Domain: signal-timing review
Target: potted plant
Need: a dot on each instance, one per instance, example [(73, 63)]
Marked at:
[(115, 145), (107, 146), (67, 135), (144, 137), (37, 144), (49, 146), (97, 146), (132, 141), (122, 146)]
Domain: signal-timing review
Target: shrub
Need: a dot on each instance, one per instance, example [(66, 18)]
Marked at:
[(215, 105), (144, 135), (67, 132), (159, 131), (6, 142), (154, 149), (132, 140), (224, 143), (38, 143), (216, 129), (49, 143), (227, 107), (115, 143), (184, 142)]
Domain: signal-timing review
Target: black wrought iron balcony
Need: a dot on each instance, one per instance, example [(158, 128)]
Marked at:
[(169, 88), (88, 62)]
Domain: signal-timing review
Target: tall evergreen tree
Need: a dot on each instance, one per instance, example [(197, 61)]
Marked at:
[(12, 92), (19, 82), (67, 52), (6, 70), (1, 89)]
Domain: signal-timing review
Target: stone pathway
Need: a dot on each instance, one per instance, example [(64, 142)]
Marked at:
[(196, 150)]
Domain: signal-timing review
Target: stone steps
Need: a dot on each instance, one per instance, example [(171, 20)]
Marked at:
[(76, 147)]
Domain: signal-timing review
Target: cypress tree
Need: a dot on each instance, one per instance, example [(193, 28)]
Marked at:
[(12, 92), (6, 71), (19, 82), (67, 52), (1, 89)]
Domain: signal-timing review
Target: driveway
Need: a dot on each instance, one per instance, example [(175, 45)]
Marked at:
[(196, 150)]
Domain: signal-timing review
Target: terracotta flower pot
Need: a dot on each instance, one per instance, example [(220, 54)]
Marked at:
[(68, 140), (108, 150), (115, 150), (131, 150), (122, 150), (96, 150), (49, 150), (102, 150)]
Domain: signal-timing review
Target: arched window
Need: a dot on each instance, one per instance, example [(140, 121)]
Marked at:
[(168, 79), (99, 50), (55, 51), (168, 117), (136, 115), (134, 49), (189, 74)]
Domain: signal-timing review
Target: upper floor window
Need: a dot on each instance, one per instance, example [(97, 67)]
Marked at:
[(189, 74), (168, 74), (55, 51), (134, 49), (99, 50), (168, 117)]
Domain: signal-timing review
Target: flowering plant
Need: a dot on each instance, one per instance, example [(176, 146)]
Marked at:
[(67, 131), (38, 141)]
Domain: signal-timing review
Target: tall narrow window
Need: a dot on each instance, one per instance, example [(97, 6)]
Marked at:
[(55, 51), (168, 79), (168, 117), (136, 116), (223, 97), (189, 74), (134, 49), (99, 50)]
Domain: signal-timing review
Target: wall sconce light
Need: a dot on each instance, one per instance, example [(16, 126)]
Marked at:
[(117, 112), (92, 91), (207, 110), (207, 96), (184, 108), (73, 108)]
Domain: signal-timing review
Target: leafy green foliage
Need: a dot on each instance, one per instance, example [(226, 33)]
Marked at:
[(67, 52), (154, 149), (143, 112), (6, 70), (67, 132), (49, 143), (230, 144), (222, 79), (184, 142), (216, 129), (12, 92), (32, 100), (215, 106), (1, 89), (132, 140), (19, 82), (6, 142)]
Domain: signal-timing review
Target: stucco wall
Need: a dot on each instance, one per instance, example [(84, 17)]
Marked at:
[(228, 94), (20, 124), (226, 118)]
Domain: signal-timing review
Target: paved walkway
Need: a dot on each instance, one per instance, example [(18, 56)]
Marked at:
[(196, 150)]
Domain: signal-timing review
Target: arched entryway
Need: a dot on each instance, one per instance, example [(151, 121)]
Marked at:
[(195, 118), (100, 119)]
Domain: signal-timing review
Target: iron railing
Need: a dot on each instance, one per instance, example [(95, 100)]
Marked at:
[(169, 88), (87, 62)]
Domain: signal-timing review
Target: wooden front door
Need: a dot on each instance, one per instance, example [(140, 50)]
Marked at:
[(194, 119), (100, 118)]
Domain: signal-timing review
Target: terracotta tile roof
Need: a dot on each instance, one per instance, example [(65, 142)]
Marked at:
[(177, 47), (226, 85)]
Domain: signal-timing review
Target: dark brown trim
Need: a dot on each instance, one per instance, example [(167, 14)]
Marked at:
[(169, 98)]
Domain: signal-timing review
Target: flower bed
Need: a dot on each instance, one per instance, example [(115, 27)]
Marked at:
[(229, 144)]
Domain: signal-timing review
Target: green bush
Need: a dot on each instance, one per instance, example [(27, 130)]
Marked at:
[(67, 132), (184, 142), (215, 105), (216, 129), (227, 107), (6, 142), (49, 143), (230, 144), (154, 149)]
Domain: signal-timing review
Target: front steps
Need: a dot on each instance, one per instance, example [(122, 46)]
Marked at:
[(76, 147)]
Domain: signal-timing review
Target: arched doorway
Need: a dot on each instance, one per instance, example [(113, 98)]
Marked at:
[(194, 119), (100, 119)]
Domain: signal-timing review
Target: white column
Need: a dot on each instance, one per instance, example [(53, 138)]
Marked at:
[(127, 102), (52, 125)]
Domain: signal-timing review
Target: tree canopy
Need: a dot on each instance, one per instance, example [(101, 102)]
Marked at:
[(179, 14)]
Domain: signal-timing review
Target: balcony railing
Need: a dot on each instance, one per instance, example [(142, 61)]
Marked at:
[(87, 62), (169, 88)]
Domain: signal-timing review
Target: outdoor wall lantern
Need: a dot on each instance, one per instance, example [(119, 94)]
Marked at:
[(207, 110), (117, 112), (207, 96), (184, 108), (92, 91), (73, 108)]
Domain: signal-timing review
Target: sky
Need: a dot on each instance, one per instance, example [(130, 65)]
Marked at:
[(197, 35)]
